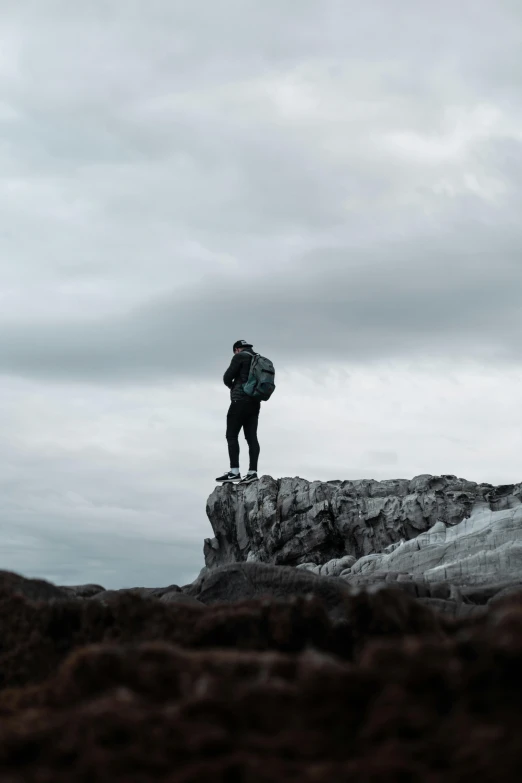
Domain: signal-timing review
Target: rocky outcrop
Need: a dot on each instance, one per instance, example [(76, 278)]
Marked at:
[(441, 538), (484, 548), (293, 521), (247, 581)]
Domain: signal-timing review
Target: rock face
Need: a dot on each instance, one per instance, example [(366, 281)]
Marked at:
[(370, 531), (480, 550), (248, 581)]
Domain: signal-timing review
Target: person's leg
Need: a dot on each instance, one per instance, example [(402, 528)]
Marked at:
[(250, 423), (234, 424)]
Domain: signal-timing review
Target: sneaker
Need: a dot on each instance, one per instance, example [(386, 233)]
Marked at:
[(229, 477), (250, 476)]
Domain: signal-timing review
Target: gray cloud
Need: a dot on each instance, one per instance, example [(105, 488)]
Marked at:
[(341, 185), (365, 193), (355, 307), (113, 561)]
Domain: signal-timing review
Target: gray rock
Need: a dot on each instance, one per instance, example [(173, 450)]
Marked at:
[(485, 549), (453, 608), (181, 598), (334, 567), (82, 591), (297, 522), (159, 592), (452, 543), (144, 592), (107, 596), (241, 581)]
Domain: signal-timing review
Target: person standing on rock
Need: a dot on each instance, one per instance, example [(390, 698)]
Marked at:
[(250, 378)]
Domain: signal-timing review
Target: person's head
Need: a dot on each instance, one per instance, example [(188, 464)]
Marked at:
[(241, 345)]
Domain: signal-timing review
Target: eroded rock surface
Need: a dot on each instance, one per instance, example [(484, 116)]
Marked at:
[(481, 550), (293, 521), (248, 581), (440, 538)]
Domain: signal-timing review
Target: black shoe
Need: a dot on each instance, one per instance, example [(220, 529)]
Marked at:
[(249, 478), (228, 478)]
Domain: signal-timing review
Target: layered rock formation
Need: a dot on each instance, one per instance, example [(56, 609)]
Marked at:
[(439, 537)]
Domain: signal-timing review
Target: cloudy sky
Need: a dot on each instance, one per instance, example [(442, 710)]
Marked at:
[(338, 182)]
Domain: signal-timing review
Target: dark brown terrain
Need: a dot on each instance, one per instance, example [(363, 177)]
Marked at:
[(137, 686)]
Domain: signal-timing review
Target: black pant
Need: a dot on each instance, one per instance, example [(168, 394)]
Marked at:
[(243, 414)]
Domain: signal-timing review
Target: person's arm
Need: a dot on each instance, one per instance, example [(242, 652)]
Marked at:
[(233, 371)]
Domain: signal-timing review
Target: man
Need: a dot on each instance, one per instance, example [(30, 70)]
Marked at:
[(242, 414)]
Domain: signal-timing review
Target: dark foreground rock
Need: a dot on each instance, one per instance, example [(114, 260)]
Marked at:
[(144, 592), (35, 589), (83, 591), (244, 581), (259, 691), (41, 590)]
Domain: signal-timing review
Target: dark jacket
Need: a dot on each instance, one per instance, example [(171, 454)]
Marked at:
[(237, 375)]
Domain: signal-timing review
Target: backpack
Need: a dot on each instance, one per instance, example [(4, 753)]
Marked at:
[(260, 384)]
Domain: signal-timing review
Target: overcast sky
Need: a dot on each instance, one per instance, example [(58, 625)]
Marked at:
[(338, 182)]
